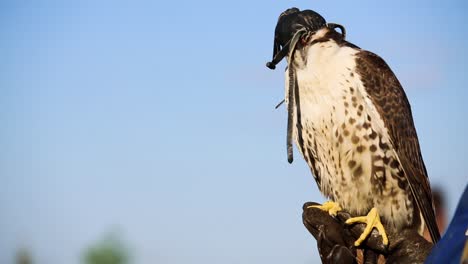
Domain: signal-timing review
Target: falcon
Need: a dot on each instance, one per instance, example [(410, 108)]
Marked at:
[(351, 121)]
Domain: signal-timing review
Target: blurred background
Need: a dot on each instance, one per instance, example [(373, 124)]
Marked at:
[(145, 131)]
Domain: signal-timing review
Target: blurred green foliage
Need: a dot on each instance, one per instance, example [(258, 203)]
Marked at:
[(23, 256), (109, 250)]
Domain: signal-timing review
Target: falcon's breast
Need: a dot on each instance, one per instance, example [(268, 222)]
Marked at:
[(343, 138)]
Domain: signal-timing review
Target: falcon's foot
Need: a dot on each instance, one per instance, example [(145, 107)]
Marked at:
[(372, 220), (331, 207)]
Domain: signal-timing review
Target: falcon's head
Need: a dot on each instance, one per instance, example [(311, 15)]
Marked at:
[(291, 22)]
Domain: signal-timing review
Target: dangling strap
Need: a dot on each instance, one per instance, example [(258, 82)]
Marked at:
[(292, 90)]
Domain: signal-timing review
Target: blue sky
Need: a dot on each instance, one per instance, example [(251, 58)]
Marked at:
[(157, 120)]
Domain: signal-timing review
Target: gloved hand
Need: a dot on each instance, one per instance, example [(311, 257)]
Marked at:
[(335, 240)]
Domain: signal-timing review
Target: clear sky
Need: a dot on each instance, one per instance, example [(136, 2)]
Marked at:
[(156, 118)]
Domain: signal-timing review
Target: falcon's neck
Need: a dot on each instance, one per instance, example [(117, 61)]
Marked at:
[(324, 35), (327, 35), (320, 34)]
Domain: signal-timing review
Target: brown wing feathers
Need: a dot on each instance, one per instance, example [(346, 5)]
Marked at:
[(392, 104)]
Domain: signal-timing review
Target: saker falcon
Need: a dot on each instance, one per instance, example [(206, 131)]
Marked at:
[(352, 123)]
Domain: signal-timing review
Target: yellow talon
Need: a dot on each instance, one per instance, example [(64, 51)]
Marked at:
[(372, 220), (331, 207)]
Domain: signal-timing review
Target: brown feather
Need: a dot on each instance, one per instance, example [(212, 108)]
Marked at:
[(389, 98)]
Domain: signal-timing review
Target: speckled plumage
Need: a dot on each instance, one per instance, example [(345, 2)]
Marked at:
[(356, 132)]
